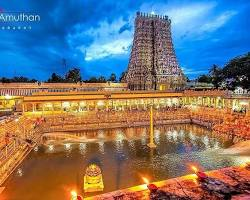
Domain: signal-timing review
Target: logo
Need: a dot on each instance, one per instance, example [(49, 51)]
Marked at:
[(18, 20)]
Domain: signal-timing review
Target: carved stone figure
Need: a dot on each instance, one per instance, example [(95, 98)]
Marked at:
[(153, 63)]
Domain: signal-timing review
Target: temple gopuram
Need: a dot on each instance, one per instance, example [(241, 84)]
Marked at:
[(153, 64)]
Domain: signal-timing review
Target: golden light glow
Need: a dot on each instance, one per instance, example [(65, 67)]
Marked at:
[(73, 194), (65, 104), (145, 180), (82, 103), (100, 103), (7, 96), (195, 169), (246, 163)]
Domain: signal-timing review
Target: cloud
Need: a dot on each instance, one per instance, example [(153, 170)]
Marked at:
[(125, 27), (189, 71), (109, 39), (218, 22), (97, 35)]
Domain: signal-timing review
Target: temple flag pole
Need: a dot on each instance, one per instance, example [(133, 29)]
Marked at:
[(151, 143)]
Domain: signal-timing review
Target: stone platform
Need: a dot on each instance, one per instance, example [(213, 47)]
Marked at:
[(227, 183)]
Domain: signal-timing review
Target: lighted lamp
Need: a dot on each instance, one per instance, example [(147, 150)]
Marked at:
[(75, 196), (201, 175), (152, 187), (248, 164)]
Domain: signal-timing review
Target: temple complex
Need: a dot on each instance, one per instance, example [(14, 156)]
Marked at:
[(11, 94), (97, 134), (153, 64), (65, 97)]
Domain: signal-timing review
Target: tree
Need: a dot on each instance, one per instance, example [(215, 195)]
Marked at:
[(236, 72), (17, 79), (122, 76), (204, 79), (101, 79), (55, 79), (93, 79), (216, 75), (112, 77), (5, 80), (73, 75)]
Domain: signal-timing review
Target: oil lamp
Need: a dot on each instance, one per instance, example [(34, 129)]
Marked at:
[(248, 164), (201, 175), (152, 187), (75, 196)]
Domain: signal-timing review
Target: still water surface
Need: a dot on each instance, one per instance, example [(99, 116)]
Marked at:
[(53, 170)]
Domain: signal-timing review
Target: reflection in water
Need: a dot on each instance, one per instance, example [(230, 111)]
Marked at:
[(57, 167), (82, 147), (157, 136), (101, 147), (67, 146), (51, 147)]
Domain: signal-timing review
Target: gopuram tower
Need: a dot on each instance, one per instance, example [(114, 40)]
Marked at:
[(153, 64)]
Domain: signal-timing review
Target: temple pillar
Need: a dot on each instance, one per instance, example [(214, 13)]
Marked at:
[(107, 105), (33, 107), (223, 103), (96, 107), (43, 108), (87, 105), (79, 107), (52, 108)]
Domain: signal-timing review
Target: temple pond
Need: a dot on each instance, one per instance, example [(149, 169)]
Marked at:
[(52, 170)]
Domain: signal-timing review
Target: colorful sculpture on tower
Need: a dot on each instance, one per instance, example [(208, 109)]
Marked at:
[(153, 64)]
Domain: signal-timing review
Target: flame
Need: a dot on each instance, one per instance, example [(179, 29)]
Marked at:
[(73, 193), (246, 163), (145, 180), (195, 169)]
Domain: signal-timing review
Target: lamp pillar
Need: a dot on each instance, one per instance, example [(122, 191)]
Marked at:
[(151, 143)]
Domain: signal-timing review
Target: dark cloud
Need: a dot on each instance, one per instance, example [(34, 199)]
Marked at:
[(62, 33), (125, 27)]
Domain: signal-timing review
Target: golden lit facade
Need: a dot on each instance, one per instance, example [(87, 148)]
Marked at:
[(11, 94), (77, 102), (76, 98)]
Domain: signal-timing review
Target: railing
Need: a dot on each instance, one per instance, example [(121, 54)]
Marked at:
[(17, 148)]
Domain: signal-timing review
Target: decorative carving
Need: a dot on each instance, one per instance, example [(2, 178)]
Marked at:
[(153, 63)]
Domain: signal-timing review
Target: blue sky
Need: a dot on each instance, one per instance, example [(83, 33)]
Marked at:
[(96, 36)]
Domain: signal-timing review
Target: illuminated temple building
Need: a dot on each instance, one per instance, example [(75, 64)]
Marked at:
[(153, 63), (60, 97)]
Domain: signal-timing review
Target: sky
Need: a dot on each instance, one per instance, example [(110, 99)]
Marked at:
[(96, 36)]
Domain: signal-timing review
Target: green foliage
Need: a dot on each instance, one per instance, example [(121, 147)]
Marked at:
[(112, 77), (73, 75), (92, 79), (216, 75), (55, 79), (204, 79), (236, 73), (17, 79), (122, 76), (101, 79)]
